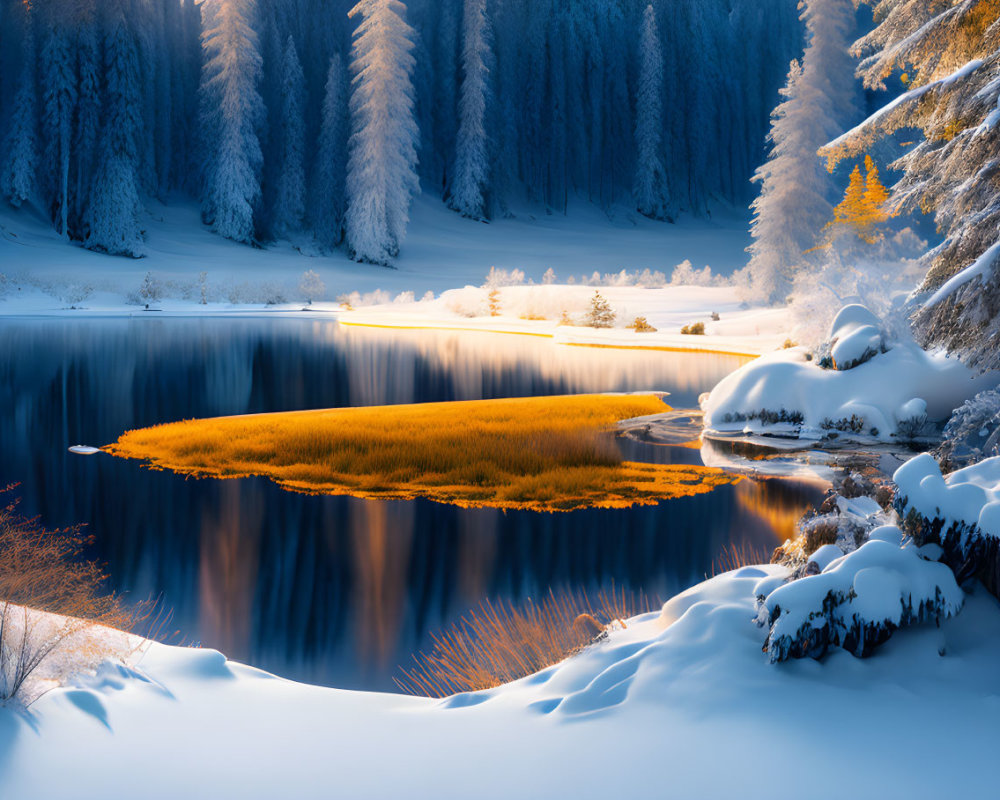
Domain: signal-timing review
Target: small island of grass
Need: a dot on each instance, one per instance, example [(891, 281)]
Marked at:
[(543, 454)]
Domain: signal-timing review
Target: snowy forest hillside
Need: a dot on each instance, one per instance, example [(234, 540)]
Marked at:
[(249, 108)]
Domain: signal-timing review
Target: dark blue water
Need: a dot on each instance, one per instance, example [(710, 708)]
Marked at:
[(330, 589)]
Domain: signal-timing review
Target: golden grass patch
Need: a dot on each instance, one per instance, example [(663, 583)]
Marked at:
[(543, 453)]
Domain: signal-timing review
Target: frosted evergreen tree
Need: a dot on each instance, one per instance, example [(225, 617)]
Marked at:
[(651, 195), (87, 126), (232, 111), (796, 190), (58, 105), (471, 156), (112, 215), (329, 201), (18, 179), (950, 54), (381, 171), (291, 189)]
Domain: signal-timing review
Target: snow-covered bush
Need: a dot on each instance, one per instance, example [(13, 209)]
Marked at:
[(960, 513), (311, 286), (880, 389), (855, 601), (972, 433)]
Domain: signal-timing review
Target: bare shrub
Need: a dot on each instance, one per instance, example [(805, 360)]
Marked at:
[(695, 329), (50, 596), (500, 642)]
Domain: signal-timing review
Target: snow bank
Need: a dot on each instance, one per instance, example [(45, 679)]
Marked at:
[(666, 701), (560, 311), (868, 389)]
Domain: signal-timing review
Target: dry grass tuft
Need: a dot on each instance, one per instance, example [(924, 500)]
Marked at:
[(544, 454), (499, 642), (735, 557), (51, 599)]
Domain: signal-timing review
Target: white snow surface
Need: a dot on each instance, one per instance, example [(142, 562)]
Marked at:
[(679, 704), (882, 392), (970, 495), (442, 251)]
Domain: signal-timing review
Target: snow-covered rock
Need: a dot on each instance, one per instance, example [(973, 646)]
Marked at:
[(891, 394), (857, 601)]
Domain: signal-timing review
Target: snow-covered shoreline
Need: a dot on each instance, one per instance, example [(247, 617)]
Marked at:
[(664, 703)]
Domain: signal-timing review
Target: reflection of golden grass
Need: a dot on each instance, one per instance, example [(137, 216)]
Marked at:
[(500, 643), (544, 453)]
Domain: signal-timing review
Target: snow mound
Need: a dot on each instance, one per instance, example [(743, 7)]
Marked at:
[(890, 394), (857, 601), (967, 501)]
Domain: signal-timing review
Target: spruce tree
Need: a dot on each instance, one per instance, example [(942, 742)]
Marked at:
[(794, 202), (58, 106), (232, 111), (328, 196), (381, 172), (112, 214), (291, 189), (18, 178), (651, 195), (472, 156)]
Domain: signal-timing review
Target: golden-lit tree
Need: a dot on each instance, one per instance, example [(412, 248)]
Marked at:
[(864, 209)]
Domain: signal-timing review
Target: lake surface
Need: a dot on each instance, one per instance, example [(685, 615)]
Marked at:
[(337, 590)]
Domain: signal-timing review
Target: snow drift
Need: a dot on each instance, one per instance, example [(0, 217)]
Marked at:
[(869, 387)]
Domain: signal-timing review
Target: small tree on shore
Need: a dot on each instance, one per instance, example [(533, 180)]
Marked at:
[(600, 314)]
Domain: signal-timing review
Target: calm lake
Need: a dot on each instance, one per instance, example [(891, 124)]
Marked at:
[(336, 590)]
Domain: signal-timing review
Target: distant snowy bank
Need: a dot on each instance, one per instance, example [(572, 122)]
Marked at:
[(862, 385)]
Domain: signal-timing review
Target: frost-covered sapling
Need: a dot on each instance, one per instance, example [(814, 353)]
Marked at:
[(311, 286), (151, 289)]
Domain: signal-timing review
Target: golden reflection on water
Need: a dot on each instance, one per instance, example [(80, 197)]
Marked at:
[(776, 502), (227, 580), (382, 536), (472, 359)]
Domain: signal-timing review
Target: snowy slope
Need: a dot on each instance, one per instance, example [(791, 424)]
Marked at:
[(442, 251), (681, 704)]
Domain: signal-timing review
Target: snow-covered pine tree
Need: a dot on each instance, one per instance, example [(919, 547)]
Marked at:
[(951, 55), (471, 148), (651, 194), (328, 195), (381, 171), (289, 208), (58, 79), (794, 201), (112, 214), (232, 110), (87, 126), (18, 169)]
